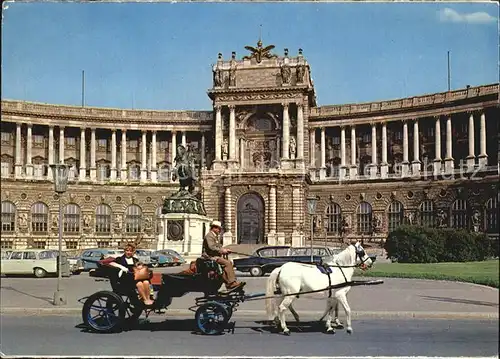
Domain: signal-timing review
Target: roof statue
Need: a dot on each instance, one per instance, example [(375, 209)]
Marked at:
[(260, 52)]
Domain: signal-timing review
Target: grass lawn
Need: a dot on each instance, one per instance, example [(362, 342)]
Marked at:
[(485, 273)]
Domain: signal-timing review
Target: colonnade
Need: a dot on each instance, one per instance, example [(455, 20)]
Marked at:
[(407, 166), (115, 168)]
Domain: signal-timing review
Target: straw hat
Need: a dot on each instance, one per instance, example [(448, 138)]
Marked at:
[(216, 224)]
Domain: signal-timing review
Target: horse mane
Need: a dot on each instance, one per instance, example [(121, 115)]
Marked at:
[(347, 256)]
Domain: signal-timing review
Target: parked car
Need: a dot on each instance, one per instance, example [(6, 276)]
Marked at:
[(144, 255), (177, 258), (76, 265), (266, 259), (90, 256), (38, 262), (161, 259)]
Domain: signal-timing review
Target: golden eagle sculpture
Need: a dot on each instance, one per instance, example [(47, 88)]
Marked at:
[(260, 52)]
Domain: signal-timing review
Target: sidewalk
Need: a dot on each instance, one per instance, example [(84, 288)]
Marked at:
[(394, 298)]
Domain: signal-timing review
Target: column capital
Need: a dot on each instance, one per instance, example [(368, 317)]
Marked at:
[(218, 107), (232, 107), (285, 105), (436, 117), (154, 132), (174, 132), (299, 105), (83, 129), (124, 130)]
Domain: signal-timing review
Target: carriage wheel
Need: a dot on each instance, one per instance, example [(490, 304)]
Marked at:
[(211, 318), (104, 312)]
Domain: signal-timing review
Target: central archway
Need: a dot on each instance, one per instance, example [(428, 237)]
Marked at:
[(251, 219)]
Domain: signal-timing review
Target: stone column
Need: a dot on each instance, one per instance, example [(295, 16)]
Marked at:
[(343, 167), (271, 235), (285, 148), (228, 236), (173, 154), (353, 171), (202, 150), (312, 148), (374, 164), (218, 133), (29, 154), (483, 156), (449, 161), (83, 165), (183, 139), (113, 155), (242, 153), (300, 134), (18, 165), (471, 158), (93, 169), (232, 133), (154, 169), (144, 170), (384, 166), (437, 147), (416, 164), (322, 170), (50, 175), (405, 169), (297, 210), (61, 144), (123, 145)]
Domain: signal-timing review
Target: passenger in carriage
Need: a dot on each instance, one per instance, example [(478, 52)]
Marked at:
[(131, 265), (212, 248)]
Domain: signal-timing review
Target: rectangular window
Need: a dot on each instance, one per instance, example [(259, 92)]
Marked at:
[(102, 144), (367, 138), (6, 244), (70, 141), (5, 169), (134, 173), (335, 140), (103, 244), (39, 170), (102, 172), (133, 144), (38, 140), (71, 244), (6, 136), (163, 145), (103, 223), (39, 222), (40, 244)]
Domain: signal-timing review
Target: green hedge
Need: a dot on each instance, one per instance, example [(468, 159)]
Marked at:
[(416, 244)]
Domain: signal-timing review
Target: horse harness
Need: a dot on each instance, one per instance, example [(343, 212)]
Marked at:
[(328, 271)]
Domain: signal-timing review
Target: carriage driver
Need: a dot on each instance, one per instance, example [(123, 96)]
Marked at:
[(212, 248)]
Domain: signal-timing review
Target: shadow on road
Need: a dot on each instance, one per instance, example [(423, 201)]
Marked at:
[(459, 300), (46, 299), (295, 327)]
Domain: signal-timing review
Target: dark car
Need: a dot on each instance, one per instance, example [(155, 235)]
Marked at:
[(266, 259)]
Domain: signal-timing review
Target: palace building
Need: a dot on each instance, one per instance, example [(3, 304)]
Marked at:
[(264, 147)]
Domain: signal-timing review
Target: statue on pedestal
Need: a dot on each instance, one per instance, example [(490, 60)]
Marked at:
[(184, 169)]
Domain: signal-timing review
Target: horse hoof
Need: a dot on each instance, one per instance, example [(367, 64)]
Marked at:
[(349, 330), (287, 333), (330, 331)]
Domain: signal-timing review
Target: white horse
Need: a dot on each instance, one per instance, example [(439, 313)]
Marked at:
[(293, 277)]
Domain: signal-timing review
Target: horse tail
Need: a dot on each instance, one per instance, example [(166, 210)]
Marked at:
[(271, 306)]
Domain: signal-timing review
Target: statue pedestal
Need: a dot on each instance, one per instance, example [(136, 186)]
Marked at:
[(184, 224), (183, 232), (298, 239)]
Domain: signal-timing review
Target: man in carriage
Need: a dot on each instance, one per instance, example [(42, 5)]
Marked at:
[(212, 248)]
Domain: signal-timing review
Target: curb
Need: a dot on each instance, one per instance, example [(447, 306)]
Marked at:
[(262, 314)]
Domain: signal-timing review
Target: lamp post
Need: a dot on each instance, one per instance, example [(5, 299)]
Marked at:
[(312, 201), (60, 172)]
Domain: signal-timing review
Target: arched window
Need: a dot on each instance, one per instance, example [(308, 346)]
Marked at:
[(364, 214), (133, 217), (71, 218), (459, 214), (103, 219), (491, 215), (39, 217), (333, 218), (8, 216), (134, 172), (395, 215), (427, 214)]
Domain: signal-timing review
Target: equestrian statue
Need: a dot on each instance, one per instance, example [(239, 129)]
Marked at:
[(184, 169)]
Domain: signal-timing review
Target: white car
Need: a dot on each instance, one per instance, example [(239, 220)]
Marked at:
[(38, 262)]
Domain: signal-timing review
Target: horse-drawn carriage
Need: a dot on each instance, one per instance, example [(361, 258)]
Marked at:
[(118, 309), (111, 311)]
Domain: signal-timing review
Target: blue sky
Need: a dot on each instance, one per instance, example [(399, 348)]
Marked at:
[(159, 55)]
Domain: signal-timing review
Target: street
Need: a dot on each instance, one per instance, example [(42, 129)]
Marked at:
[(168, 336)]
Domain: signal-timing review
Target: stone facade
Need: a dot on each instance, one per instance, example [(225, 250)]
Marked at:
[(262, 150)]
